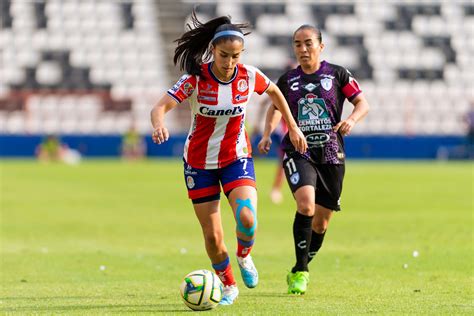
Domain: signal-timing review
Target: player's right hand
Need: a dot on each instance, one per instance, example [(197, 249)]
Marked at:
[(160, 135), (298, 140), (264, 145)]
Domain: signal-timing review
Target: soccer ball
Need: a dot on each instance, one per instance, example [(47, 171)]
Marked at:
[(201, 290)]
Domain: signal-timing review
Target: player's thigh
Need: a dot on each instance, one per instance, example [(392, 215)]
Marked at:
[(299, 172), (329, 186), (203, 185), (239, 173)]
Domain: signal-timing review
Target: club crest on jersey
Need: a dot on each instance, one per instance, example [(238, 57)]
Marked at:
[(326, 83), (295, 178), (190, 182), (242, 85)]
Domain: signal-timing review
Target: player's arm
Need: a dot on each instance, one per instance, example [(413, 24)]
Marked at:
[(160, 132), (296, 136), (272, 119), (361, 108)]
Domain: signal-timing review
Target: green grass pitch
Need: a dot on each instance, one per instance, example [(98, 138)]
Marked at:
[(109, 237)]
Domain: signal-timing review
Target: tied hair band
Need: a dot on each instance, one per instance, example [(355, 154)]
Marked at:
[(227, 33)]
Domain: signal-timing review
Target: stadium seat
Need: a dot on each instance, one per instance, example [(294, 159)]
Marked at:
[(83, 49)]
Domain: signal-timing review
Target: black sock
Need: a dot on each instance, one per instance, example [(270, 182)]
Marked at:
[(316, 242), (302, 238)]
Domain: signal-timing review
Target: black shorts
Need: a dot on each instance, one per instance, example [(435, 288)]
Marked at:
[(325, 178)]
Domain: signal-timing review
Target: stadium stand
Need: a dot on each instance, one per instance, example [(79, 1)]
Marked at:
[(97, 66)]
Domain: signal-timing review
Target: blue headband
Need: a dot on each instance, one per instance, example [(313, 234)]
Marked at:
[(227, 33)]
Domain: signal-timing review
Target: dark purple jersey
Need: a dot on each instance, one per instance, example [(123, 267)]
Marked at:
[(316, 102)]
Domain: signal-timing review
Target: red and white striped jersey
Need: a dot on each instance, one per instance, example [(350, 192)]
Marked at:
[(217, 136)]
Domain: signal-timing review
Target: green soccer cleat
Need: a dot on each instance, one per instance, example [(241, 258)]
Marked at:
[(297, 282)]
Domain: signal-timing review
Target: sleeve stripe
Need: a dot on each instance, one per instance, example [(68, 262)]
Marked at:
[(174, 97), (268, 85)]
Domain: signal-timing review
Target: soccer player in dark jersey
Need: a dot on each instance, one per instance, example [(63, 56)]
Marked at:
[(316, 91)]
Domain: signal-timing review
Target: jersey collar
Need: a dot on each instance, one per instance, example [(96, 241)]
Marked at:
[(220, 81), (321, 66)]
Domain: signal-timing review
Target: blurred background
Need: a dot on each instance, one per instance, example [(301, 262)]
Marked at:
[(83, 75)]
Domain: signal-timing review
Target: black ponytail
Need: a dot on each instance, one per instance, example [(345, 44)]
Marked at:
[(193, 46)]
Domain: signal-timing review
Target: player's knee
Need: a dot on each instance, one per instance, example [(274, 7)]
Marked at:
[(320, 226), (306, 208), (247, 218)]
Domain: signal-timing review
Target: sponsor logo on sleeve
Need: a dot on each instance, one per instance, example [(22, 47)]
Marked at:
[(188, 88)]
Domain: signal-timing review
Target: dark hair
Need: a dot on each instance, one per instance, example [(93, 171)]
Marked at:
[(315, 30), (193, 46)]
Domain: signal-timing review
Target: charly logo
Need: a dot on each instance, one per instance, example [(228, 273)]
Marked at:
[(295, 86), (317, 139), (295, 178), (326, 83), (190, 182), (242, 85)]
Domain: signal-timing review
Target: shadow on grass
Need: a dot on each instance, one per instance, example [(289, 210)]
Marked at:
[(268, 294), (143, 308)]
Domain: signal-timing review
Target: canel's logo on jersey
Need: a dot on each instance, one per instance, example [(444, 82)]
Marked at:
[(227, 111), (311, 108)]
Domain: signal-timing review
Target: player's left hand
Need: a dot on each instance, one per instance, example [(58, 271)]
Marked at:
[(344, 127)]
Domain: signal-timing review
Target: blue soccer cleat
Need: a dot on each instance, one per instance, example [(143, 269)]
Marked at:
[(248, 271), (229, 295)]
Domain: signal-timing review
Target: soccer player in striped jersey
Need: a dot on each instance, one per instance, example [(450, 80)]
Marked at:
[(217, 151), (316, 91)]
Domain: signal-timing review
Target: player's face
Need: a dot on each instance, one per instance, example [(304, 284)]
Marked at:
[(307, 48), (226, 57)]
